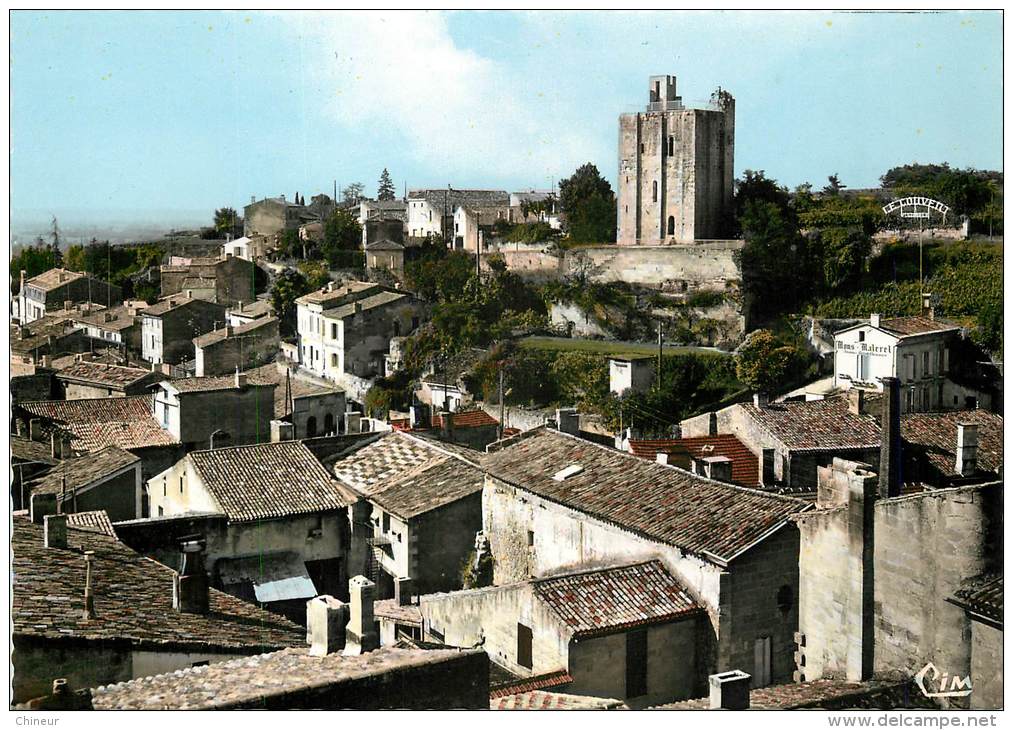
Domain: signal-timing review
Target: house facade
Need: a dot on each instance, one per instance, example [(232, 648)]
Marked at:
[(431, 211), (168, 327), (52, 289), (230, 348)]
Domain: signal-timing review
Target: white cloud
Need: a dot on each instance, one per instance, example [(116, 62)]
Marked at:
[(458, 112)]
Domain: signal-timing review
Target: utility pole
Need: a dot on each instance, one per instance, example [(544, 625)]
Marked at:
[(502, 408), (478, 246), (659, 355)]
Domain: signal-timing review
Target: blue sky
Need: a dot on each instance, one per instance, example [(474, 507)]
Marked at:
[(162, 116)]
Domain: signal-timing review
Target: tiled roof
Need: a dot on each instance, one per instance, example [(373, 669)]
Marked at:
[(408, 476), (210, 383), (541, 700), (802, 695), (816, 425), (84, 470), (265, 481), (299, 385), (912, 326), (133, 599), (385, 204), (28, 450), (934, 435), (340, 291), (48, 280), (982, 596), (467, 419), (454, 198), (256, 308), (119, 318), (382, 299), (661, 502), (614, 599), (515, 684), (255, 680), (391, 609), (97, 373), (745, 465), (99, 422), (385, 245), (177, 301), (220, 335), (94, 521)]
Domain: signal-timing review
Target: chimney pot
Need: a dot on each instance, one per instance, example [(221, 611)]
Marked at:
[(190, 584), (568, 420), (357, 307), (55, 531), (760, 400), (856, 401), (68, 305), (729, 690), (326, 623), (360, 636), (662, 458), (447, 424), (874, 319), (967, 449), (240, 379), (353, 422)]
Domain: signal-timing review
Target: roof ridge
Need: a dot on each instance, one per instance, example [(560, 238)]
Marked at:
[(599, 569)]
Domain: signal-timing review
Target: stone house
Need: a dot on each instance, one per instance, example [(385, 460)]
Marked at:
[(286, 534), (791, 439), (215, 411), (51, 289), (303, 408), (271, 216), (387, 255), (431, 211), (232, 348), (246, 312), (917, 350), (556, 502), (108, 479), (444, 387), (629, 631), (310, 322), (876, 568), (246, 247), (120, 324), (168, 327), (473, 225), (951, 448), (631, 374), (88, 609), (223, 279), (381, 210), (424, 507), (50, 336), (982, 601), (86, 379)]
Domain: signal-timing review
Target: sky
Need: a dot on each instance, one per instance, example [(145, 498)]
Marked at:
[(131, 117)]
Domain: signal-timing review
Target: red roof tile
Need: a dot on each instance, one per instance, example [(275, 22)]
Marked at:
[(538, 700), (528, 684), (816, 425), (982, 596), (467, 419), (935, 436), (99, 422), (911, 326), (745, 465)]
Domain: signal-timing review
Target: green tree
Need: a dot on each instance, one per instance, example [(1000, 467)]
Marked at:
[(834, 185), (33, 260), (385, 189), (316, 274), (342, 240), (988, 332), (590, 206), (842, 252), (226, 221), (756, 187), (75, 259), (289, 286), (353, 193), (764, 364)]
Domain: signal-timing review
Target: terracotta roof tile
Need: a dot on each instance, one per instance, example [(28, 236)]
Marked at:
[(661, 502), (391, 609), (93, 520), (541, 700), (133, 599), (300, 386), (983, 596), (816, 425), (467, 419), (334, 296), (913, 326), (837, 693), (220, 335), (614, 599), (48, 280), (84, 471), (516, 685), (99, 422), (97, 373), (934, 436), (28, 450), (265, 481), (745, 465)]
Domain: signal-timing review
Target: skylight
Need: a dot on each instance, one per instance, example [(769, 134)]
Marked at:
[(570, 471)]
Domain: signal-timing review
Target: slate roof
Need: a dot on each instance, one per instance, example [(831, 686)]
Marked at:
[(99, 422), (104, 374), (745, 465), (268, 481), (610, 600), (542, 700), (220, 335), (817, 425), (133, 600), (382, 299), (49, 280), (210, 383), (982, 596), (408, 476), (253, 681), (934, 435), (660, 502), (84, 471), (914, 326), (92, 521)]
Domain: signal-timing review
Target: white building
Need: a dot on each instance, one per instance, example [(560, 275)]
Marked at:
[(428, 208), (914, 349)]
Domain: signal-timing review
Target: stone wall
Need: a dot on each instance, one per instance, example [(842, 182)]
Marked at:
[(242, 351), (444, 539), (119, 496), (986, 666)]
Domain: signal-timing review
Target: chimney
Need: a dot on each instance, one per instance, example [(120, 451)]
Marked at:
[(44, 361), (172, 302), (353, 422), (253, 199), (760, 400), (62, 275), (89, 599), (68, 305), (712, 423), (927, 309), (856, 401), (228, 330), (189, 293), (568, 420), (23, 272), (330, 286), (447, 424), (874, 319), (360, 636), (662, 458), (190, 585), (240, 306), (403, 591), (240, 378), (108, 316), (729, 690), (967, 449), (55, 531), (326, 623), (54, 451), (282, 431), (282, 196), (356, 307), (889, 450), (40, 506)]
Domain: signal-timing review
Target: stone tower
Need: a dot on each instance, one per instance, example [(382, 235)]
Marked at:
[(676, 168)]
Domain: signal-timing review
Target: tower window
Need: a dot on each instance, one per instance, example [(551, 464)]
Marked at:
[(671, 225), (641, 148), (654, 195), (671, 146)]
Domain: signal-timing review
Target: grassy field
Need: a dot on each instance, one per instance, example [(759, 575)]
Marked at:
[(609, 347)]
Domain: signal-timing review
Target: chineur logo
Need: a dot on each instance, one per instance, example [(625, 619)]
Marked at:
[(933, 683)]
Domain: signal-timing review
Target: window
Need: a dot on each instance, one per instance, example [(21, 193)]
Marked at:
[(671, 145), (671, 225), (524, 638), (863, 368), (311, 427), (654, 193), (861, 337), (386, 522), (415, 323), (926, 370), (641, 148), (164, 487), (161, 511), (334, 329), (181, 485), (636, 663), (531, 538)]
